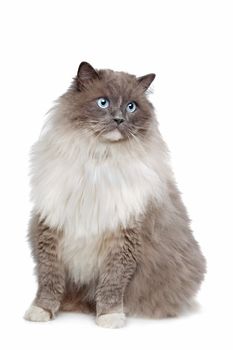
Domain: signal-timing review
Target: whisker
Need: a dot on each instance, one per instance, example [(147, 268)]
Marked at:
[(137, 141)]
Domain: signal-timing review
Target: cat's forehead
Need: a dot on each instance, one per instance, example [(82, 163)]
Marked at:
[(119, 84), (118, 79)]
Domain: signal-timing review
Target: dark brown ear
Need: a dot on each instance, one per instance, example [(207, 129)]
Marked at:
[(146, 80), (85, 73)]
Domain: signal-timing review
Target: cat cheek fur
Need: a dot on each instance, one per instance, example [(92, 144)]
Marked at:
[(109, 232)]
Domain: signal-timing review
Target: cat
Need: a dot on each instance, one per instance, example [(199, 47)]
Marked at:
[(109, 232)]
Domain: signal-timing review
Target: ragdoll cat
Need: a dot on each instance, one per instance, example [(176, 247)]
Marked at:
[(109, 232)]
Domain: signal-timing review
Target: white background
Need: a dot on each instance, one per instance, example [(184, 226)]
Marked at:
[(188, 44)]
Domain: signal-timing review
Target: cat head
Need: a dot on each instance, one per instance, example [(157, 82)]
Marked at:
[(111, 105)]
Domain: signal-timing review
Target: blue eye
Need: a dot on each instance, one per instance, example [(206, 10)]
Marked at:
[(131, 107), (103, 102)]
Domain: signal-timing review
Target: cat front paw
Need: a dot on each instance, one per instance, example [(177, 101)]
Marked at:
[(37, 314), (113, 320)]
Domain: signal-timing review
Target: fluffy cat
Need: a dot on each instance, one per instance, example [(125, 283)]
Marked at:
[(109, 232)]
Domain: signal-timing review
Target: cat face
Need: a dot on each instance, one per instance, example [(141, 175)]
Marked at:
[(110, 105)]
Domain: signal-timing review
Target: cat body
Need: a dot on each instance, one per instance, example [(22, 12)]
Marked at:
[(109, 231)]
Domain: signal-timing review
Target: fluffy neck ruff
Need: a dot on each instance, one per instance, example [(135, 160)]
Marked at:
[(86, 187)]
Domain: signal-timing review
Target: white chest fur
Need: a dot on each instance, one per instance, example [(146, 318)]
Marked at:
[(87, 188)]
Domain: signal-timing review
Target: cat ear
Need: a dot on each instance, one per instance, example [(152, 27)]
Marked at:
[(85, 73), (146, 80)]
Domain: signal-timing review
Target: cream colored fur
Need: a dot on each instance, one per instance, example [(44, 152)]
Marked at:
[(114, 320), (83, 257), (114, 135), (37, 314), (74, 173)]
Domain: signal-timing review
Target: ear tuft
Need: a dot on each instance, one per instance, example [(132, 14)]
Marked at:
[(85, 74), (146, 80)]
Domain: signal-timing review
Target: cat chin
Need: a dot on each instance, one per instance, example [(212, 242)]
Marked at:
[(114, 135)]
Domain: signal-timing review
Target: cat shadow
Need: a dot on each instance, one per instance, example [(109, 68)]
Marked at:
[(192, 310)]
